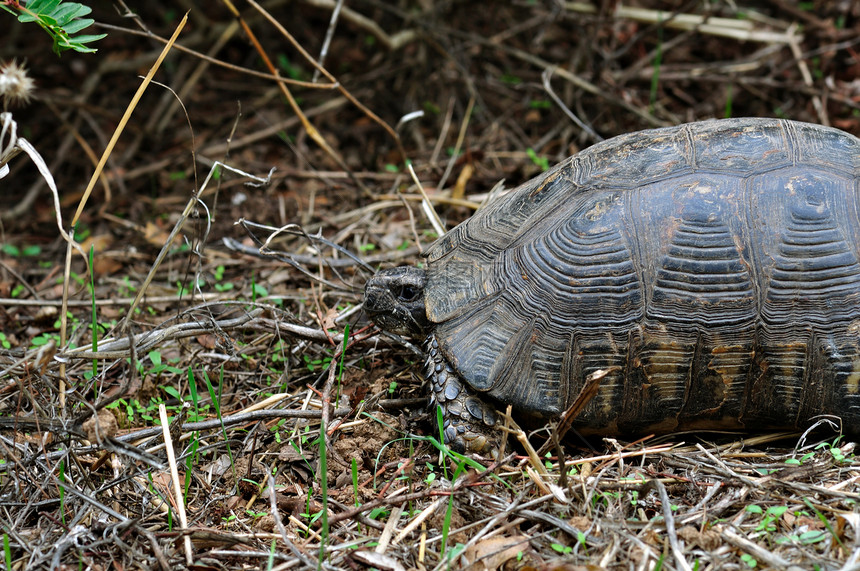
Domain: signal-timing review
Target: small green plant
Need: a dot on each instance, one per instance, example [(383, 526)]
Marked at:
[(563, 549), (354, 466), (323, 480), (126, 288), (800, 461), (376, 513), (7, 551), (809, 537), (292, 71), (61, 489), (256, 515), (44, 339), (580, 538), (431, 477), (749, 560), (770, 516), (219, 275), (431, 107), (134, 408), (833, 448), (446, 524), (728, 110), (258, 291), (61, 20), (94, 322), (542, 162), (511, 79), (16, 252), (158, 366), (315, 365)]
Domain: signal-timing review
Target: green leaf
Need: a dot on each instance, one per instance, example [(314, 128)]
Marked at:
[(172, 392), (61, 21), (777, 510), (77, 25)]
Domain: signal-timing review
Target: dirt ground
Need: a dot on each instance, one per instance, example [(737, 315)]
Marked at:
[(250, 353)]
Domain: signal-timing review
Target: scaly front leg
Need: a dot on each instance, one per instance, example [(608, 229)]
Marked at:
[(467, 420)]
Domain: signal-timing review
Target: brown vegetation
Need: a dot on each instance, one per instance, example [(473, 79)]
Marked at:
[(245, 351)]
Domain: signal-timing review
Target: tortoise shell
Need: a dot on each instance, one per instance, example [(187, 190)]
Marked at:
[(711, 268)]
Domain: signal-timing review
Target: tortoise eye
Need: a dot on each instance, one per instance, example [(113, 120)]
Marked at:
[(407, 293)]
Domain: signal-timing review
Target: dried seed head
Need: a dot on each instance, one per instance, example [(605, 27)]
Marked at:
[(15, 85)]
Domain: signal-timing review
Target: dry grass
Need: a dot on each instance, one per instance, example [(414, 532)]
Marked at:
[(251, 357)]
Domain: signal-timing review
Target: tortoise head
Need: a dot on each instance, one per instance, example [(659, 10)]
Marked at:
[(394, 300)]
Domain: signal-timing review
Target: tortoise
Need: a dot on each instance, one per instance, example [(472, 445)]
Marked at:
[(711, 271)]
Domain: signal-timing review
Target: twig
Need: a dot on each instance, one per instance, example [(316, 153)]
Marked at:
[(392, 42), (736, 29), (329, 34), (177, 485), (772, 559), (273, 505), (669, 518)]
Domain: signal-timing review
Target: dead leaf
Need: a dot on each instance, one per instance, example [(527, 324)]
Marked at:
[(99, 243), (328, 319), (154, 235), (459, 190), (379, 560), (105, 265), (492, 553), (100, 426), (207, 341)]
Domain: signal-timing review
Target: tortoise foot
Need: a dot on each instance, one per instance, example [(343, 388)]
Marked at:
[(467, 421)]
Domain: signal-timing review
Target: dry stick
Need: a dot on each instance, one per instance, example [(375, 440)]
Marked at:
[(96, 174), (426, 205), (461, 136), (772, 559), (417, 520), (669, 518), (373, 116), (11, 301), (794, 44), (443, 132), (577, 82), (189, 207), (329, 34), (195, 77), (19, 145), (390, 525), (280, 525), (392, 42), (397, 500), (174, 475), (586, 394), (309, 127), (734, 28), (546, 76), (213, 61)]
